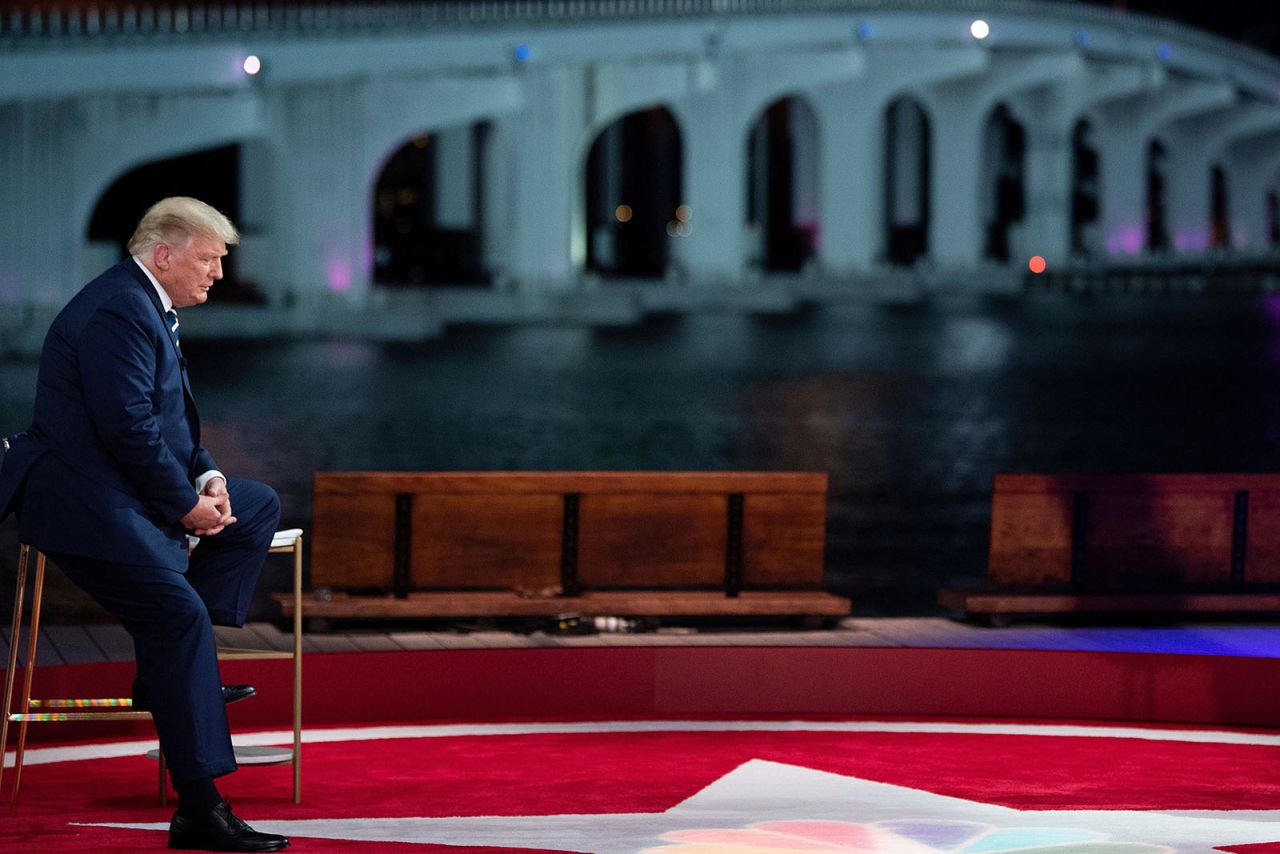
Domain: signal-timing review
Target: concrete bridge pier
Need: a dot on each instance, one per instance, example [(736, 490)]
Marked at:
[(853, 155), (962, 108), (1128, 127), (549, 155), (324, 201), (714, 180), (1050, 113), (39, 257), (1199, 143), (1252, 165)]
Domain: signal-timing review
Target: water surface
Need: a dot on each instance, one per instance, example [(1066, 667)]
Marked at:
[(910, 409)]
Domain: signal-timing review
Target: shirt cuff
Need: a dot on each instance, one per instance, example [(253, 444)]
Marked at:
[(203, 480)]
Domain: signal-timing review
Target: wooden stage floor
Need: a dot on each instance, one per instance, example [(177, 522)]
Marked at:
[(62, 644), (1205, 673)]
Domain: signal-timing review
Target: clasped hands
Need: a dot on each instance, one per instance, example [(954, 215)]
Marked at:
[(212, 512)]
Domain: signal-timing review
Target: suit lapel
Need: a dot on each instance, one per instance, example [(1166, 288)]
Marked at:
[(149, 289)]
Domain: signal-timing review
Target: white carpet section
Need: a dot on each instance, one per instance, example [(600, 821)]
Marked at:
[(761, 797), (108, 750)]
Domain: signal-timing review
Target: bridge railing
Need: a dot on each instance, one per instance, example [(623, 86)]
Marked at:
[(37, 26)]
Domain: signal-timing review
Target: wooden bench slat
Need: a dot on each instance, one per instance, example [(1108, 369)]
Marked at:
[(992, 602), (461, 483), (649, 603), (500, 541), (1180, 483)]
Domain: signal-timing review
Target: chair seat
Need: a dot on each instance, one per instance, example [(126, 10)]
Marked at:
[(285, 537), (279, 540)]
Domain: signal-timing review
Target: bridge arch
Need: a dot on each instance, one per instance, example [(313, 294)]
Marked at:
[(1157, 196), (1085, 202), (1003, 185), (632, 195), (132, 133), (783, 211), (1271, 215), (907, 180), (1220, 236), (429, 206), (217, 173), (211, 174)]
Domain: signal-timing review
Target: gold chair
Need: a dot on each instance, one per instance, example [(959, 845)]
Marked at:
[(30, 710)]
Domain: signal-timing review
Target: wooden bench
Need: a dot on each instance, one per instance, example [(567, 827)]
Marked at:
[(415, 544), (1161, 543)]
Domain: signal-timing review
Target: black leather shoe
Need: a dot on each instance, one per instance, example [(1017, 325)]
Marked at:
[(230, 694), (220, 830), (236, 693)]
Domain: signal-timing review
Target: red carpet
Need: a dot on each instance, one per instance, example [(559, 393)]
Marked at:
[(685, 784), (602, 774)]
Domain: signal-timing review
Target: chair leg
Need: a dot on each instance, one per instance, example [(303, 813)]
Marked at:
[(15, 635), (297, 670), (24, 702), (163, 796)]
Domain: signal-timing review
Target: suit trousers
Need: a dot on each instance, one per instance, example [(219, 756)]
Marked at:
[(170, 616)]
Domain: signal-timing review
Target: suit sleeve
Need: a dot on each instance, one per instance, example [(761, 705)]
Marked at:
[(117, 354), (203, 463)]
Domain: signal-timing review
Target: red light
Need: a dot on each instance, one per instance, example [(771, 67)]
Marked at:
[(1036, 264)]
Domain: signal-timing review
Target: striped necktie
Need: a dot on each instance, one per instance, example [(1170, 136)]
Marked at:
[(173, 328)]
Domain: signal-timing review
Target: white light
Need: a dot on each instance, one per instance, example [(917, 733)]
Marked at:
[(980, 29), (252, 65)]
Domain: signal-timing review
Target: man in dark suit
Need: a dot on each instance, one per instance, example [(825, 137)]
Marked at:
[(110, 479)]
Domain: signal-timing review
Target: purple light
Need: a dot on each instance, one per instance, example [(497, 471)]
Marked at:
[(338, 275), (1271, 308), (1126, 240), (1190, 240)]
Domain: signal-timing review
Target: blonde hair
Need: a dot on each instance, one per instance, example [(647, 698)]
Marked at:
[(177, 219)]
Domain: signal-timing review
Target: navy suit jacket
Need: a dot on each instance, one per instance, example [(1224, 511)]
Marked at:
[(106, 469)]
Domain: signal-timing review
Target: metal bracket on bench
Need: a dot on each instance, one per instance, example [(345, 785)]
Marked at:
[(733, 547), (569, 585), (401, 577), (1239, 537), (1079, 536)]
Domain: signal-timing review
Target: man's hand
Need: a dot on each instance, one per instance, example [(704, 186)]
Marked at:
[(212, 512)]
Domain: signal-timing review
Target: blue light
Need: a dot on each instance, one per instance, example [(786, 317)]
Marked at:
[(523, 53), (1082, 37), (1164, 52), (866, 30)]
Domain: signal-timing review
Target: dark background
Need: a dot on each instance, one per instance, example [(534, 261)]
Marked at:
[(1253, 24)]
